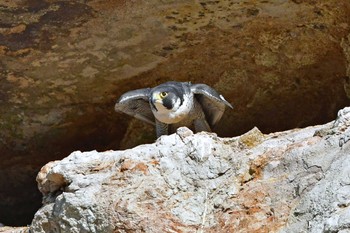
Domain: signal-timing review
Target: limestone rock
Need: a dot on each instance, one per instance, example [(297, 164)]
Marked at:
[(282, 64), (291, 181), (4, 229)]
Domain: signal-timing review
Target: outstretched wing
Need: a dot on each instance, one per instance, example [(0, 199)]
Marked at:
[(213, 104), (136, 104)]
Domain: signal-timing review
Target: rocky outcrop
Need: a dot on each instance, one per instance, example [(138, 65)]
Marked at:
[(291, 181), (63, 64), (14, 229)]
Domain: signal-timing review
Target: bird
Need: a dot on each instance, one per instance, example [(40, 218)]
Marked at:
[(172, 104)]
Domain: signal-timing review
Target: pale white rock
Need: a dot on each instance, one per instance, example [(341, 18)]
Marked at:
[(292, 181)]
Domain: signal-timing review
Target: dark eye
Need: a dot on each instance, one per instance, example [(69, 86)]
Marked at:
[(163, 94)]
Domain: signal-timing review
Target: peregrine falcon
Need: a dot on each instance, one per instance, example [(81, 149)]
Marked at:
[(175, 104)]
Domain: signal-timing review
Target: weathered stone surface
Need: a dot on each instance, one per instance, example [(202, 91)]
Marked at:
[(63, 63), (14, 229), (291, 181)]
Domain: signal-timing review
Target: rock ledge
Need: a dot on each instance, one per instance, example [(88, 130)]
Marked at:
[(292, 181)]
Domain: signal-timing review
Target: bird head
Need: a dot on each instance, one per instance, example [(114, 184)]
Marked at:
[(165, 99)]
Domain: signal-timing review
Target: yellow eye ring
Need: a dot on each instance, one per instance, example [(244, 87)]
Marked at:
[(163, 94)]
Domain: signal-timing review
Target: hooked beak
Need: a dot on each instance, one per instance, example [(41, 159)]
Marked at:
[(155, 98)]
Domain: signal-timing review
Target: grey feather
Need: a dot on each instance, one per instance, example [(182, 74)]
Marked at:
[(136, 104), (204, 107), (201, 125), (213, 104), (161, 128)]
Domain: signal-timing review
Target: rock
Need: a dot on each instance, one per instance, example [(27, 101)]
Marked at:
[(282, 64), (4, 229), (291, 181)]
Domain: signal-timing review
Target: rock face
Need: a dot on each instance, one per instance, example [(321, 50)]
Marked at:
[(292, 181), (14, 229), (281, 63)]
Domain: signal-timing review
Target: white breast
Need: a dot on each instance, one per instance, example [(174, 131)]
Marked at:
[(178, 113)]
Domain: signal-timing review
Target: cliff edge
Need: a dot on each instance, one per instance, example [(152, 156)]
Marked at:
[(291, 181)]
